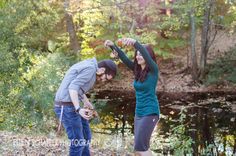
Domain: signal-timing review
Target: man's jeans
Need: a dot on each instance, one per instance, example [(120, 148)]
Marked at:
[(77, 129)]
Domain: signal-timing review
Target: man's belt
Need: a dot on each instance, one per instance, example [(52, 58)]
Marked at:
[(60, 103)]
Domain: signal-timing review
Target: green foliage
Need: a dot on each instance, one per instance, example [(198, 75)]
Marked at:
[(225, 15), (34, 45), (181, 143), (208, 150), (90, 21), (25, 27), (33, 95), (27, 23), (32, 28), (166, 45), (223, 69), (8, 63), (2, 3), (42, 81)]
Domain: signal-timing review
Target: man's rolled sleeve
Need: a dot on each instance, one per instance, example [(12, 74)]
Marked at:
[(83, 77)]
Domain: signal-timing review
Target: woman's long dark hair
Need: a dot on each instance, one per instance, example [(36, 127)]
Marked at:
[(140, 75)]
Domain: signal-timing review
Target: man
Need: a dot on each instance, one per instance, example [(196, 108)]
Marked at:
[(78, 80)]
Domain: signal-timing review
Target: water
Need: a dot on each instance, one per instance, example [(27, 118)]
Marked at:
[(201, 124)]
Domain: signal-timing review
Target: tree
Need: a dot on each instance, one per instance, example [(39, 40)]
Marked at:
[(206, 36), (193, 50), (74, 44)]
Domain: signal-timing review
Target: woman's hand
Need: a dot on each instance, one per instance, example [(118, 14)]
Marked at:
[(127, 41), (108, 43), (114, 54)]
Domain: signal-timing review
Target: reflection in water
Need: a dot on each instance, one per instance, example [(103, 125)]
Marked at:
[(208, 125)]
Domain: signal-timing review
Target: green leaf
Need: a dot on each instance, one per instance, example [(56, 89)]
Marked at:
[(51, 46)]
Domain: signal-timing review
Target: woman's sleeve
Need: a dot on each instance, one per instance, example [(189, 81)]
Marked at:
[(123, 57)]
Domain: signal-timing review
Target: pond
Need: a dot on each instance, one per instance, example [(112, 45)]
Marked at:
[(200, 124)]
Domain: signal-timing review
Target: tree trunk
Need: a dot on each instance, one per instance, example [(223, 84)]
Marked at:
[(193, 49), (205, 37), (74, 44)]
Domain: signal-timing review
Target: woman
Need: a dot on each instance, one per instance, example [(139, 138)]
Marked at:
[(147, 110)]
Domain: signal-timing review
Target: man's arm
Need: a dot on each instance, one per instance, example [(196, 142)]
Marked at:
[(82, 78), (87, 102), (74, 98), (75, 87), (85, 113)]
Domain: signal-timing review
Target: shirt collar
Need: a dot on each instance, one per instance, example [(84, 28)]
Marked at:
[(95, 62)]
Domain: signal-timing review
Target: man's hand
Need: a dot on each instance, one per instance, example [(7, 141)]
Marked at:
[(93, 113), (88, 105), (85, 113)]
